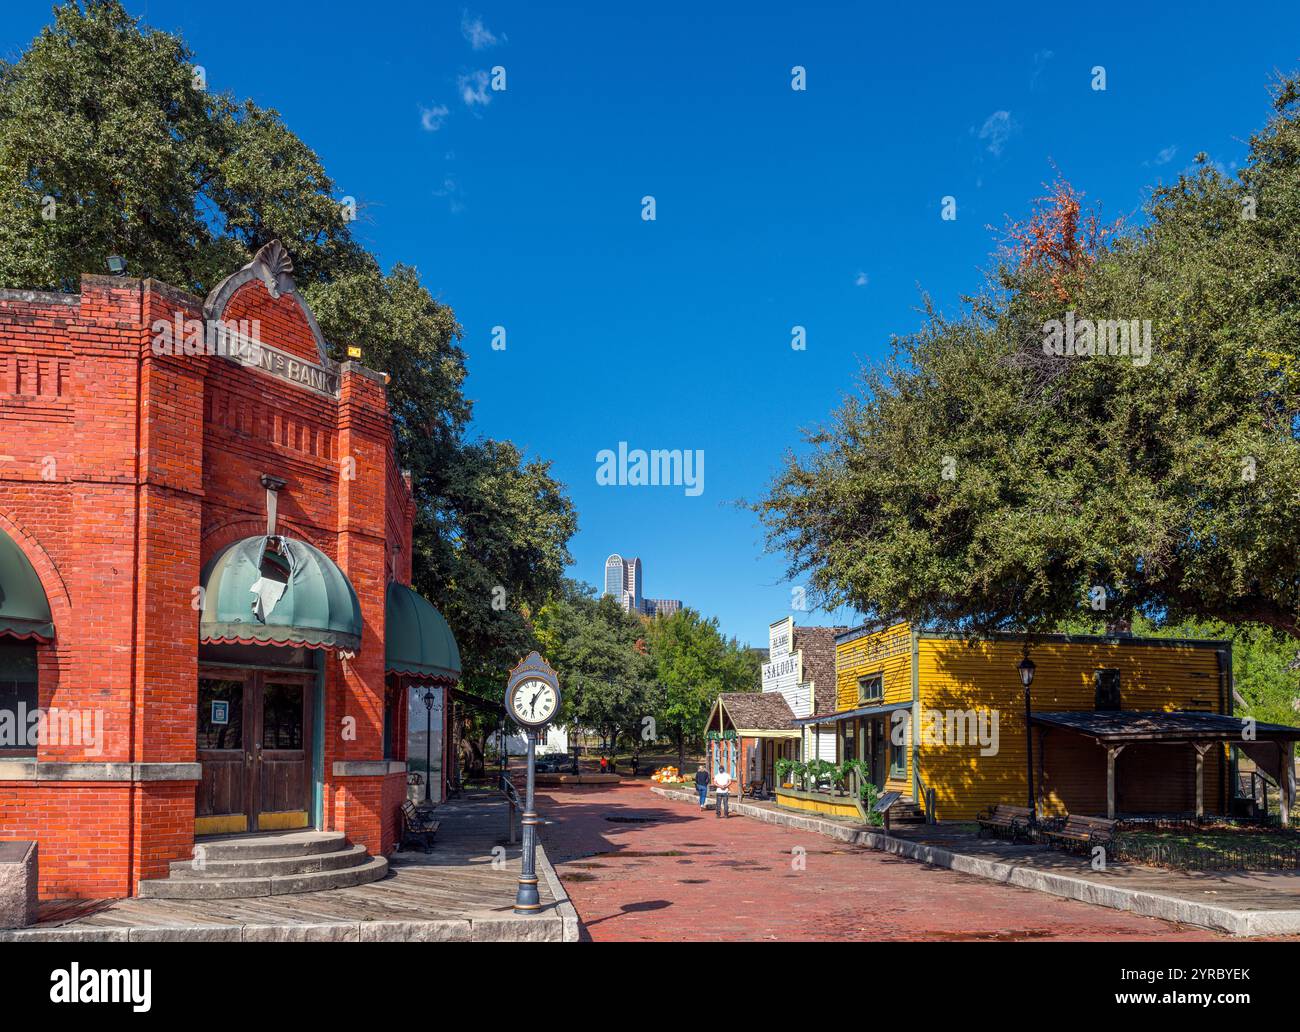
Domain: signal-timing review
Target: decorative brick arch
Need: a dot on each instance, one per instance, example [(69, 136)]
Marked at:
[(218, 537), (273, 269), (56, 590)]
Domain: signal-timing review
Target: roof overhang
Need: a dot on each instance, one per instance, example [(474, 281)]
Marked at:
[(861, 711), (1116, 727)]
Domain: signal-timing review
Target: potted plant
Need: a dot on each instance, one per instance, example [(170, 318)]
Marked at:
[(800, 770), (784, 766)]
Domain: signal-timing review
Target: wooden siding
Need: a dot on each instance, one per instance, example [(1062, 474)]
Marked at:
[(959, 677), (888, 653)]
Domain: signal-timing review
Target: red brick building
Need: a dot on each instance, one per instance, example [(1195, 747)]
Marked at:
[(204, 538)]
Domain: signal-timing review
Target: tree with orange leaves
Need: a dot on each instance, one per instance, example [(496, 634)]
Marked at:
[(1052, 251)]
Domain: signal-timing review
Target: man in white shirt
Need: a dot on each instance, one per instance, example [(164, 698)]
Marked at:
[(722, 782)]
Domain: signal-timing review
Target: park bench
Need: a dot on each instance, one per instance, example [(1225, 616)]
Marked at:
[(1005, 821), (418, 826), (1080, 832), (756, 789)]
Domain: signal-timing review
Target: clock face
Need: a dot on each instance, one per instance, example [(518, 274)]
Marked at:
[(534, 702)]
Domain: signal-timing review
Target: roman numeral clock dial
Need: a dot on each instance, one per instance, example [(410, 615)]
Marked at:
[(533, 703)]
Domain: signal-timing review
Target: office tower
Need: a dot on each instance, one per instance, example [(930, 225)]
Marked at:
[(623, 581)]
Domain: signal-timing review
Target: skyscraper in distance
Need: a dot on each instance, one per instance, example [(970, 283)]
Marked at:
[(623, 581)]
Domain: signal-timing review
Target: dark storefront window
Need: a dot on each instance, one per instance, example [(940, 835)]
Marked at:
[(18, 697), (221, 726), (282, 715)]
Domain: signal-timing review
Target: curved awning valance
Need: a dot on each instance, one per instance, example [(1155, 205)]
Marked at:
[(24, 609), (417, 640), (278, 591)]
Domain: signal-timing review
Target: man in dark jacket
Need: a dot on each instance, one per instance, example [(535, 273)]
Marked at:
[(702, 786)]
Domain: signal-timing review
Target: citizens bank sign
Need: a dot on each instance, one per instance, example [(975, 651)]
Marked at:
[(280, 364)]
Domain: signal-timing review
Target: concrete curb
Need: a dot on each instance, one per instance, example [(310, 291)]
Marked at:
[(1139, 901), (563, 905)]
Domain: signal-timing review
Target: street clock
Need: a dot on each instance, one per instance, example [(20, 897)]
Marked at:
[(533, 692)]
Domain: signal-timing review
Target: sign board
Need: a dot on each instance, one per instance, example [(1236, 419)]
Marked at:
[(885, 801), (220, 712), (254, 354), (784, 670)]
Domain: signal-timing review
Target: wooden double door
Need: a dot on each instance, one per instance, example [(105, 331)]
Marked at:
[(255, 749)]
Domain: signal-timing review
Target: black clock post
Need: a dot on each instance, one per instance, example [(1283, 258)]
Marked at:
[(527, 900), (534, 672)]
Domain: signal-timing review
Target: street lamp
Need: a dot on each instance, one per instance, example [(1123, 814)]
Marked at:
[(1026, 668), (429, 699)]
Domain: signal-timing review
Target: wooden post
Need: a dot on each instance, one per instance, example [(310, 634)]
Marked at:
[(1287, 782), (1200, 778), (1111, 753)]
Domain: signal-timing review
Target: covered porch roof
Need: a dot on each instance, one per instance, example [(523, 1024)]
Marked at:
[(861, 711), (1121, 726), (1271, 745), (754, 715)]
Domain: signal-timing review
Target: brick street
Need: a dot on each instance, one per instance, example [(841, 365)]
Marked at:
[(688, 876)]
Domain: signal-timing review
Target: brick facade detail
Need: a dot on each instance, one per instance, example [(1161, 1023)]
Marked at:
[(122, 471)]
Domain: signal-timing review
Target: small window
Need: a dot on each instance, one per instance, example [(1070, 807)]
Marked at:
[(850, 741), (392, 697), (871, 688), (1107, 695), (898, 757), (18, 698)]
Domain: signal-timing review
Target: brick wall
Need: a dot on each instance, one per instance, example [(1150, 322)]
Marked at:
[(123, 471)]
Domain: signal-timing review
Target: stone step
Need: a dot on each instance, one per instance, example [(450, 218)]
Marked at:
[(372, 870), (262, 845), (270, 866)]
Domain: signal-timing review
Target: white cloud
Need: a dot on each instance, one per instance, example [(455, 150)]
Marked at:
[(1165, 156), (476, 33), (431, 118), (860, 280), (474, 89), (996, 130)]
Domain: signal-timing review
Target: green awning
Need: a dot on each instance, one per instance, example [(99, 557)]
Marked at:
[(417, 640), (24, 609), (278, 591)]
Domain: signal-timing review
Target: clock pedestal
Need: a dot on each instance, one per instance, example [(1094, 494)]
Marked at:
[(527, 900)]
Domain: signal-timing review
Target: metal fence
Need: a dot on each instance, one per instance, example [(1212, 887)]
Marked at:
[(1222, 847)]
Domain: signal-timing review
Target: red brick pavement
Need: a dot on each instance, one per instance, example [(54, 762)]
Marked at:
[(691, 876)]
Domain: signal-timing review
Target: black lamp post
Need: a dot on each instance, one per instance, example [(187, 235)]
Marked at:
[(1026, 668), (429, 700)]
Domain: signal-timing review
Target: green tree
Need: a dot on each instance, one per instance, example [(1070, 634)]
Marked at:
[(979, 481), (694, 663), (107, 147), (598, 650)]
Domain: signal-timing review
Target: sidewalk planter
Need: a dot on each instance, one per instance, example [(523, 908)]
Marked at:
[(831, 804)]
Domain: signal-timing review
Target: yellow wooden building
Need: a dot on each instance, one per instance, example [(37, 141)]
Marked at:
[(1121, 725)]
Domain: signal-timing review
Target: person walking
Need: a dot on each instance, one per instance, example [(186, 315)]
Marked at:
[(604, 763), (702, 787), (722, 781)]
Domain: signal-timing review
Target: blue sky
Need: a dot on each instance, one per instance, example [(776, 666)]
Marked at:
[(774, 208)]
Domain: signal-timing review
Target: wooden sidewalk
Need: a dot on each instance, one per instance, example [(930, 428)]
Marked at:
[(460, 892)]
